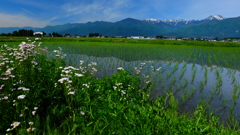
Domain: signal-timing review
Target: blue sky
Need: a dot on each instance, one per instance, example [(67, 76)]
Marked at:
[(40, 13)]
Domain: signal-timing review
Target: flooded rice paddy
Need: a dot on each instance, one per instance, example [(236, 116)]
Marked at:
[(192, 74)]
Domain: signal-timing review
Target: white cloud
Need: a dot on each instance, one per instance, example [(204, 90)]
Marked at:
[(9, 20), (27, 11), (97, 10), (44, 4)]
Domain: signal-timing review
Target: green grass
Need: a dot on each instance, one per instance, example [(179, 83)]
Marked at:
[(123, 40), (47, 97)]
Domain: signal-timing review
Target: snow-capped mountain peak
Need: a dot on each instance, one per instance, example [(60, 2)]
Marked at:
[(151, 20), (182, 22), (171, 20), (215, 17)]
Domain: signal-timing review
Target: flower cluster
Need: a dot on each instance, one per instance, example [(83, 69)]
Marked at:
[(138, 71), (35, 110), (59, 53), (155, 69), (10, 58), (12, 64), (91, 67), (67, 74), (27, 50)]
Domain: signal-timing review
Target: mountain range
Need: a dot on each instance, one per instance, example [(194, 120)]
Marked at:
[(210, 27)]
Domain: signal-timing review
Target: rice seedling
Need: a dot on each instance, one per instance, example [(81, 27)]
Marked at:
[(233, 79), (231, 116), (219, 79), (215, 59), (213, 92), (201, 86), (175, 68), (235, 93), (183, 98), (185, 65), (210, 62), (173, 81), (194, 62), (206, 76), (185, 83), (193, 75), (182, 73)]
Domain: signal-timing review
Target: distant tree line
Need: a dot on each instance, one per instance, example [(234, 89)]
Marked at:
[(55, 34), (160, 37), (29, 33), (94, 35), (22, 33)]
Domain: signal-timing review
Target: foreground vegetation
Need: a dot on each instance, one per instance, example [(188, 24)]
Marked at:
[(41, 95)]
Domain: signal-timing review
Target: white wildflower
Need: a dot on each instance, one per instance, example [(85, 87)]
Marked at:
[(8, 72), (81, 62), (78, 75), (120, 68), (6, 78), (118, 84), (94, 69), (25, 89), (67, 71), (21, 96), (33, 112), (94, 63), (62, 80), (30, 129), (86, 85), (12, 76), (34, 62), (158, 69), (71, 93), (143, 64), (138, 71), (2, 86), (15, 124), (83, 113), (123, 92)]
